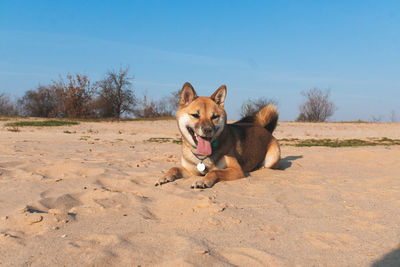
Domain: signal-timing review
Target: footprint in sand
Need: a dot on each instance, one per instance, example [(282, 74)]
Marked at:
[(102, 249), (12, 164), (117, 185), (4, 173), (12, 238), (63, 203), (12, 169), (147, 214), (121, 195), (47, 213), (250, 257), (326, 240)]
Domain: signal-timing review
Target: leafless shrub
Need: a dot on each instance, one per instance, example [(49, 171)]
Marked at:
[(251, 106), (7, 106), (173, 101), (149, 108), (116, 96), (317, 107), (376, 118)]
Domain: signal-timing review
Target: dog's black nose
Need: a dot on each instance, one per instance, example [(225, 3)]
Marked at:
[(207, 130)]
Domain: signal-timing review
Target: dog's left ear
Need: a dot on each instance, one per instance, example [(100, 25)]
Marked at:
[(219, 95)]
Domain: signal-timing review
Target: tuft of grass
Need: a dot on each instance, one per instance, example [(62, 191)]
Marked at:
[(159, 139), (177, 141), (388, 141), (164, 140), (288, 139), (46, 123)]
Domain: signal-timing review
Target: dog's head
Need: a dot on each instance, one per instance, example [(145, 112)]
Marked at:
[(201, 119)]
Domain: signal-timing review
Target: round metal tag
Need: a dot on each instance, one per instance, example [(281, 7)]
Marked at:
[(201, 167)]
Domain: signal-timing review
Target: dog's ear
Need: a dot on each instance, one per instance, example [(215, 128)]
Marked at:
[(188, 94), (219, 95)]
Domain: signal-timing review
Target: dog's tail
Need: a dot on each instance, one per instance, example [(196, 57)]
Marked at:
[(267, 117)]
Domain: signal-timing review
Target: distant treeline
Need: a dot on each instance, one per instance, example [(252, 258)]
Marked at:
[(76, 96)]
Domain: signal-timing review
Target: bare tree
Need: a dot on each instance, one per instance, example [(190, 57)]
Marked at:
[(173, 101), (163, 108), (149, 108), (251, 106), (317, 107), (42, 102), (7, 107), (77, 96), (116, 96)]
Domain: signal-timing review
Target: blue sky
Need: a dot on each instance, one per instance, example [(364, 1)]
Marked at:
[(274, 49)]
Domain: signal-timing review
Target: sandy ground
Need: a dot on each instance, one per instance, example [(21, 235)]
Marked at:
[(87, 198)]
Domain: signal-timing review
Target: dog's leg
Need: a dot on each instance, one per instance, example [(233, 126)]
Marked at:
[(173, 174), (232, 171)]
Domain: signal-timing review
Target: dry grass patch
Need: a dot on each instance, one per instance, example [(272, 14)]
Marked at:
[(46, 123), (340, 143)]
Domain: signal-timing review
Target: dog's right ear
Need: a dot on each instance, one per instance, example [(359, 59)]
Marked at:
[(188, 94)]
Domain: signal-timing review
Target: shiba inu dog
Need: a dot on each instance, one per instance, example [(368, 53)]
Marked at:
[(219, 151)]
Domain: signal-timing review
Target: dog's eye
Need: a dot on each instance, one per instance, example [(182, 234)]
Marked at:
[(215, 117), (195, 115)]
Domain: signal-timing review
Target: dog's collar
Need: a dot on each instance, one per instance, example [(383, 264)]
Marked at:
[(200, 166), (214, 144)]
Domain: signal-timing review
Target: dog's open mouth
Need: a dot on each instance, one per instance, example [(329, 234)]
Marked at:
[(203, 143)]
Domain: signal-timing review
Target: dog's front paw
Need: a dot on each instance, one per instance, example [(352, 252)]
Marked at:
[(202, 183), (164, 180)]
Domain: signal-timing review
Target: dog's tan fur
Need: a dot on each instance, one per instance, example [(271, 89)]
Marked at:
[(240, 147)]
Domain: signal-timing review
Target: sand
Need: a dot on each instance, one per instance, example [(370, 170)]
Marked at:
[(84, 196)]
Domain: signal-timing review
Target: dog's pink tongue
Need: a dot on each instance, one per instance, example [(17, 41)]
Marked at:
[(203, 146)]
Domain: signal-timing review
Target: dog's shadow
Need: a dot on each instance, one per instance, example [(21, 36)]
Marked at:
[(286, 162)]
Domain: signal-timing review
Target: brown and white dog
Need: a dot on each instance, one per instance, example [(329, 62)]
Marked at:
[(217, 150)]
